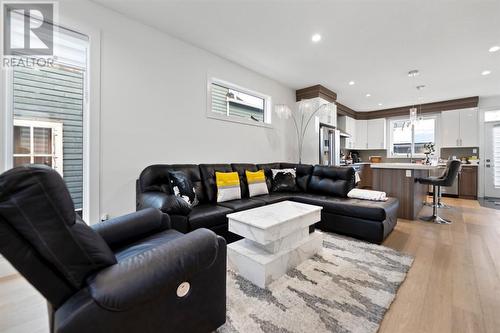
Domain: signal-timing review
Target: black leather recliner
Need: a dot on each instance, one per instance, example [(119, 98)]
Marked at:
[(325, 186), (127, 274)]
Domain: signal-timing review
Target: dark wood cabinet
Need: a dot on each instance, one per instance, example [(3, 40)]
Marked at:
[(366, 175), (467, 182)]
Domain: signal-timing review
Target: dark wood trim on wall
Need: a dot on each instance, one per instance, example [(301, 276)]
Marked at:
[(316, 91), (346, 111), (343, 110), (454, 104)]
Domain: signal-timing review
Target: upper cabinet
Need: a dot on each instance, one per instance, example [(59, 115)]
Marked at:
[(469, 134), (376, 133), (348, 124), (370, 134), (459, 128), (361, 138)]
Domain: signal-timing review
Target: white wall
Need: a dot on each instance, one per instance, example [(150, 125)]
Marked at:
[(485, 104), (153, 104)]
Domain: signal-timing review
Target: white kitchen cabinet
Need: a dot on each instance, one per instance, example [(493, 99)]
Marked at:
[(376, 134), (361, 137), (469, 136), (348, 125), (459, 128)]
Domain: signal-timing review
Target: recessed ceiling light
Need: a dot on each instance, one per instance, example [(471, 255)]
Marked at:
[(368, 95), (351, 83), (316, 38), (379, 104), (486, 72), (494, 48), (413, 73)]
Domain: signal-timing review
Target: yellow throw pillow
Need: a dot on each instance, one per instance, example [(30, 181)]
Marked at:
[(256, 183), (228, 186)]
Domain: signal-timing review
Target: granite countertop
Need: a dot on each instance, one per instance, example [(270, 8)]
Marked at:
[(408, 166)]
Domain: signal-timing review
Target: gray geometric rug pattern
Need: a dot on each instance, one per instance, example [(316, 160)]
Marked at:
[(347, 288)]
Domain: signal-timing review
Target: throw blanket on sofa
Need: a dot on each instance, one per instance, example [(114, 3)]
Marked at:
[(367, 195)]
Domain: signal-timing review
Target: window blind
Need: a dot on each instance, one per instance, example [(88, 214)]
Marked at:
[(220, 104), (496, 155)]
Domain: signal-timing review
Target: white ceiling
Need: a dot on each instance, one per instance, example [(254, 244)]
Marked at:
[(374, 43)]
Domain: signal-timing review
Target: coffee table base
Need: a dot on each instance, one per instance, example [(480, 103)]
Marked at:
[(262, 267)]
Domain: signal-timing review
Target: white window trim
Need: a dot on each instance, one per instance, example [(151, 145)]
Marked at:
[(390, 154), (57, 130), (212, 115)]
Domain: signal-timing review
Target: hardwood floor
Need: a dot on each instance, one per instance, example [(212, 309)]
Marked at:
[(453, 286)]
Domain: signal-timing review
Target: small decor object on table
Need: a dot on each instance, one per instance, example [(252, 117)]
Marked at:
[(429, 150)]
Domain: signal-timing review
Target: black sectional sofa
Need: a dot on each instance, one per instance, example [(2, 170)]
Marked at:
[(324, 186)]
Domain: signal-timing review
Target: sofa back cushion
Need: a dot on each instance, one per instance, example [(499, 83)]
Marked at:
[(269, 174), (332, 180), (207, 172), (155, 178), (303, 174), (240, 168)]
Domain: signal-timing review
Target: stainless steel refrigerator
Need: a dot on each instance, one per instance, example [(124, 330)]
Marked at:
[(329, 145)]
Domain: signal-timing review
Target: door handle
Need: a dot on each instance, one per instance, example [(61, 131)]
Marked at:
[(488, 160), (488, 165)]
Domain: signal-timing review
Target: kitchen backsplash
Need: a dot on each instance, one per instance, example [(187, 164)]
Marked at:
[(459, 152)]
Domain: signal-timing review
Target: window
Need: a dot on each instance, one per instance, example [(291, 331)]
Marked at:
[(492, 115), (38, 142), (402, 133), (48, 106), (230, 102)]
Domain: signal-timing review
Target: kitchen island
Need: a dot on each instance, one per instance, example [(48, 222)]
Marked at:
[(399, 180)]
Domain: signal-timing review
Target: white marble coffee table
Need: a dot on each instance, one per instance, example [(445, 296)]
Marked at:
[(277, 239)]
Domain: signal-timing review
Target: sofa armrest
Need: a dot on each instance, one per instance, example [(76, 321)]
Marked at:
[(167, 203), (130, 227), (154, 273)]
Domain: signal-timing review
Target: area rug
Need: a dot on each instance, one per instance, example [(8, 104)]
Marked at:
[(347, 288)]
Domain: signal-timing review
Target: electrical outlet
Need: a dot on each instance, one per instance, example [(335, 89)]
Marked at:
[(474, 151), (408, 173)]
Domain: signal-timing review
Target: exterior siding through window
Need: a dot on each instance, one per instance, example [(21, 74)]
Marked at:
[(56, 94)]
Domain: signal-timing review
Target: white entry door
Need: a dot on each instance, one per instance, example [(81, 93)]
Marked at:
[(492, 160)]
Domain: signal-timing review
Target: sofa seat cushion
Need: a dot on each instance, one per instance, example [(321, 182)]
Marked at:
[(363, 209), (146, 244), (275, 197), (207, 216), (242, 204)]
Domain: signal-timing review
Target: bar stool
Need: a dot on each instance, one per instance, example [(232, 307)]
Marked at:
[(440, 204), (447, 179)]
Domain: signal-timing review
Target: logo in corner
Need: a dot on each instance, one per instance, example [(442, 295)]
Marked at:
[(28, 29)]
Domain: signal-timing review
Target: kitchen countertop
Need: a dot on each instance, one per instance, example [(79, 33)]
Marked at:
[(408, 166)]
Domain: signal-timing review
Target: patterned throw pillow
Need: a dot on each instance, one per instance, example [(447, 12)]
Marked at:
[(256, 183), (284, 180), (228, 186), (182, 187)]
